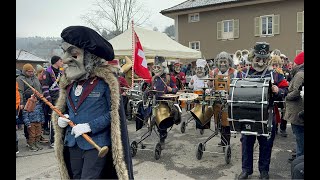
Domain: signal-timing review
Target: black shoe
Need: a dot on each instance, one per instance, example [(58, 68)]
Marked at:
[(283, 133), (243, 175), (291, 159), (162, 143), (264, 175)]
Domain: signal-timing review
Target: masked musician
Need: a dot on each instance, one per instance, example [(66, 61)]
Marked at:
[(259, 57), (161, 81), (178, 77), (196, 83), (224, 66), (89, 95)]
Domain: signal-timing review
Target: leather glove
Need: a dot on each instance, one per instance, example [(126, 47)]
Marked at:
[(63, 122), (79, 129)]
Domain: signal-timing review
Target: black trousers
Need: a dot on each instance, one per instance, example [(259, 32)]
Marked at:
[(297, 168), (85, 164)]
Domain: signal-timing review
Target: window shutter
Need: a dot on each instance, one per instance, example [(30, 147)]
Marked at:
[(276, 24), (219, 30), (257, 30), (236, 28), (300, 21)]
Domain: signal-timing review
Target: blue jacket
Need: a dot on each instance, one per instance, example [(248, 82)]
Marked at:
[(36, 116), (159, 85), (94, 110)]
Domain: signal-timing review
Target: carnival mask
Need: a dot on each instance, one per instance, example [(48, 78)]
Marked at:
[(177, 68), (73, 61), (259, 64), (223, 65), (157, 70), (200, 72)]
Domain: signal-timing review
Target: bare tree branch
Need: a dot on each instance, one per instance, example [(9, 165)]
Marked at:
[(114, 16)]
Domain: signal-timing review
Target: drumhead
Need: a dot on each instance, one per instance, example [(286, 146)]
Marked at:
[(248, 99)]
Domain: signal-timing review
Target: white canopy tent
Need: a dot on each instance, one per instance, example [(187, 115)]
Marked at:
[(154, 44)]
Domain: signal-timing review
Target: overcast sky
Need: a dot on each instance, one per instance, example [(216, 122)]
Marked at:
[(47, 18)]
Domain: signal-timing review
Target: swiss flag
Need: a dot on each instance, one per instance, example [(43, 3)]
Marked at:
[(140, 61)]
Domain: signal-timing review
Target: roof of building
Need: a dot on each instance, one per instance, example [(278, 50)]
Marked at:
[(190, 4), (23, 55)]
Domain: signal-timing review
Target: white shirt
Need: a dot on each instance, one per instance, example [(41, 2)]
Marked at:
[(197, 83)]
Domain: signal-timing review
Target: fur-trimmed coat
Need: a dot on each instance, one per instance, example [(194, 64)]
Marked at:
[(119, 135)]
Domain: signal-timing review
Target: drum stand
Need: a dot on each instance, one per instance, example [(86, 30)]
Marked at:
[(151, 127), (201, 147), (184, 124)]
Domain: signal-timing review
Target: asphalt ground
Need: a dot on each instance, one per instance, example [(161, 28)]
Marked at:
[(177, 161)]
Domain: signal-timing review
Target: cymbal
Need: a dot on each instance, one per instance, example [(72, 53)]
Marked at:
[(188, 97), (140, 79), (169, 96), (210, 79), (156, 91), (185, 90)]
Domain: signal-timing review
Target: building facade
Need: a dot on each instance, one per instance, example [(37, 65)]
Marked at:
[(229, 25)]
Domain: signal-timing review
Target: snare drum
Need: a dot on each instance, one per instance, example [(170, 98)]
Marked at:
[(199, 92), (248, 105)]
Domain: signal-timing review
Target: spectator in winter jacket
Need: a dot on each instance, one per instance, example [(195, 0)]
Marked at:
[(33, 119), (294, 103)]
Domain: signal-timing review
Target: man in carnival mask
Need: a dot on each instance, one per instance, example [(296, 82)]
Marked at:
[(85, 98)]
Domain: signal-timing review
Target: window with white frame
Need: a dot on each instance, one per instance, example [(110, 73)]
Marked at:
[(194, 45), (267, 25), (228, 29), (194, 17)]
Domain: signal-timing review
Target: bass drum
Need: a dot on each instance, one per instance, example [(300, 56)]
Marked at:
[(248, 101)]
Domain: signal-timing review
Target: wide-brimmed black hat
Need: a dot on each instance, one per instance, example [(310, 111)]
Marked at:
[(88, 39), (261, 49)]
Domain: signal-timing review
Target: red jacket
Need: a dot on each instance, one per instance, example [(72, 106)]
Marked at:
[(123, 83)]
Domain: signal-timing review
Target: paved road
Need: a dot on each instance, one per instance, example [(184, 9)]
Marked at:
[(177, 161)]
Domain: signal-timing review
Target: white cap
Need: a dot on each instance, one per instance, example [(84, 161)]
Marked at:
[(201, 63)]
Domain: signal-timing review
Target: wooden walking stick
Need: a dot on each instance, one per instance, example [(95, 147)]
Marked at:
[(102, 151)]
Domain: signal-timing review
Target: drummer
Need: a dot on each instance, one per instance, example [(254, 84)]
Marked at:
[(196, 82), (259, 57), (224, 66), (161, 81), (178, 76)]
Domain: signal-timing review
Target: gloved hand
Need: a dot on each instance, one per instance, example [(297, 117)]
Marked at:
[(79, 129), (63, 122)]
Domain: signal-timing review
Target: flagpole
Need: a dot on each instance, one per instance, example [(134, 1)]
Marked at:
[(133, 49)]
